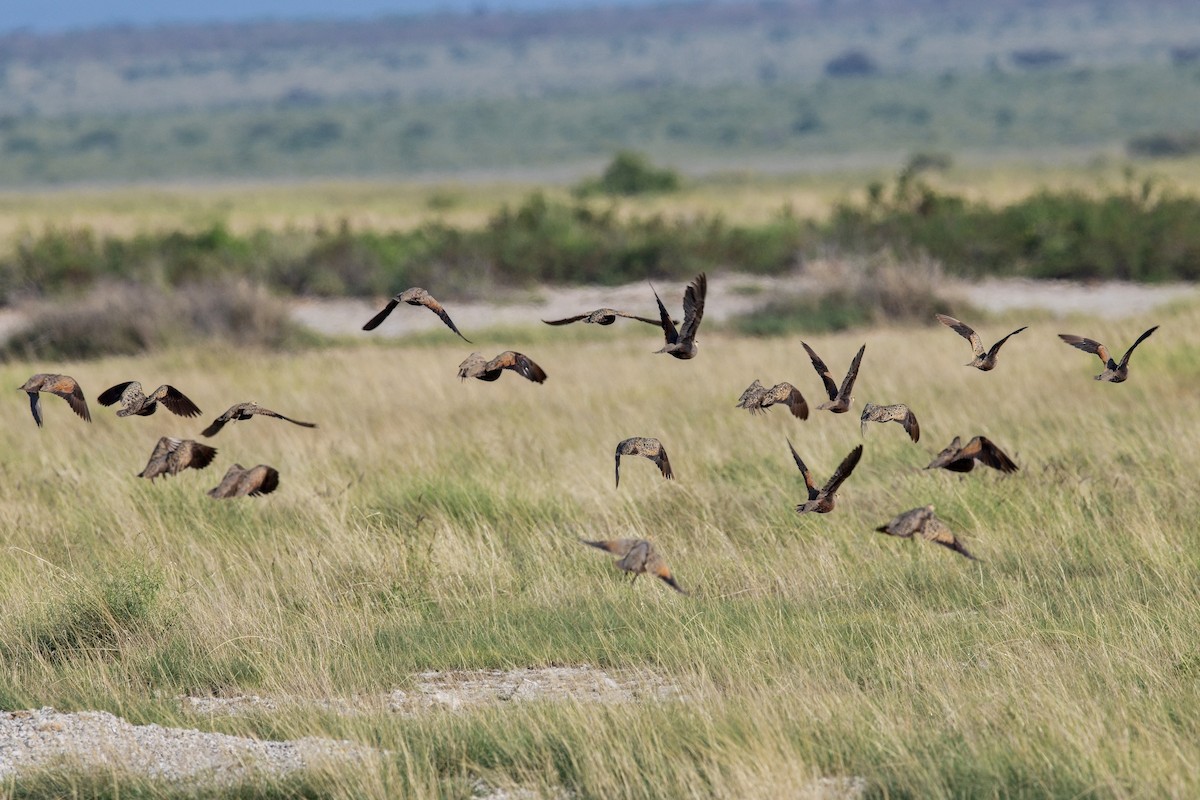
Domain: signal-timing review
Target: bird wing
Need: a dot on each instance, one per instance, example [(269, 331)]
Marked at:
[(852, 375), (668, 326), (843, 471), (374, 321), (189, 454), (808, 478), (620, 547), (911, 426), (576, 318), (258, 480), (1129, 352), (35, 405), (113, 393), (664, 463), (647, 320), (751, 397), (983, 449), (67, 388), (266, 412), (934, 530), (433, 305), (789, 395), (176, 401), (1086, 345), (221, 421), (229, 483), (996, 347), (964, 330), (656, 565), (526, 368), (157, 465), (948, 454), (831, 388), (693, 307)]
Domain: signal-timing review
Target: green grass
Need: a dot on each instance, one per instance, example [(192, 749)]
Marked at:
[(432, 524)]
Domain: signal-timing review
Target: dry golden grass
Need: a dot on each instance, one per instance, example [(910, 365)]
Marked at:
[(431, 524)]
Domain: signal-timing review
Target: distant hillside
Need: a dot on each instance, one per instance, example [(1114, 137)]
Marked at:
[(444, 91)]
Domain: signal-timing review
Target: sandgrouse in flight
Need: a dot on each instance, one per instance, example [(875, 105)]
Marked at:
[(476, 366), (924, 523), (758, 398), (822, 500), (1114, 372), (984, 359), (648, 447), (957, 458), (133, 401), (638, 556), (172, 456), (682, 343), (415, 296), (244, 411), (62, 385), (839, 397)]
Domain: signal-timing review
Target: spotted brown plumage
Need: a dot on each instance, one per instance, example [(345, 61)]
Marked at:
[(475, 366), (822, 500), (133, 401), (1114, 372), (62, 385), (758, 398), (924, 523), (647, 447), (244, 411), (681, 343), (984, 360), (172, 456), (638, 556), (601, 316), (957, 458), (898, 412), (415, 296), (242, 482), (841, 397)]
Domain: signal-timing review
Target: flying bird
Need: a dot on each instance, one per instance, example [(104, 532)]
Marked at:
[(984, 360), (64, 386), (172, 456), (242, 482), (414, 297), (839, 397), (1113, 372), (957, 458), (924, 523), (682, 343), (638, 556), (644, 446), (893, 413), (244, 411), (134, 402), (758, 398), (601, 316), (475, 366), (822, 500)]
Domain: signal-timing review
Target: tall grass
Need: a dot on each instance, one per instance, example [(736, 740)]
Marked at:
[(432, 524)]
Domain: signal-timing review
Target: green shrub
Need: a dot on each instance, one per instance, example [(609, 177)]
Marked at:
[(630, 173)]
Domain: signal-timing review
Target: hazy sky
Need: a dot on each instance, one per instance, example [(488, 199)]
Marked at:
[(57, 15)]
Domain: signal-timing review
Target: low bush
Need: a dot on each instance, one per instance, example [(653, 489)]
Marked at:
[(126, 319), (855, 292)]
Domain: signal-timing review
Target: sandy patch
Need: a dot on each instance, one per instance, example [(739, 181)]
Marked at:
[(465, 689)]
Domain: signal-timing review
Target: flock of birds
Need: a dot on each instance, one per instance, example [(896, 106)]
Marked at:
[(637, 556)]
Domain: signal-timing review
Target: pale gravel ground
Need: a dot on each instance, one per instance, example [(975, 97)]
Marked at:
[(98, 741), (465, 689)]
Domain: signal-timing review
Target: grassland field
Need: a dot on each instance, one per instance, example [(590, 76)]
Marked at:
[(433, 524), (741, 192)]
